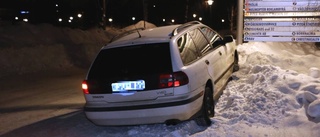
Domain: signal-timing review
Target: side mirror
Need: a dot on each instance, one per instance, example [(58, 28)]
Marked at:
[(228, 38)]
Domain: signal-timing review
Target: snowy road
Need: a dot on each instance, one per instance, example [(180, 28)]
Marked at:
[(30, 99)]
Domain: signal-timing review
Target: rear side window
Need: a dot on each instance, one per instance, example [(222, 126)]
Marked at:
[(131, 61), (187, 48), (200, 41)]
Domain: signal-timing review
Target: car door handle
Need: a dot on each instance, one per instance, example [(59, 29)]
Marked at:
[(207, 62), (220, 53)]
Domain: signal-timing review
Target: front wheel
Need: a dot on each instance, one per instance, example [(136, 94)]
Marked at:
[(207, 109)]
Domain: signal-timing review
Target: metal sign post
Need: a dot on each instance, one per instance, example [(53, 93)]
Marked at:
[(240, 23)]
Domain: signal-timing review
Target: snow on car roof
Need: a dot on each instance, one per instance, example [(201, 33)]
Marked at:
[(152, 35)]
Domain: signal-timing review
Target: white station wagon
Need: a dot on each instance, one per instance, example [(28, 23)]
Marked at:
[(165, 74)]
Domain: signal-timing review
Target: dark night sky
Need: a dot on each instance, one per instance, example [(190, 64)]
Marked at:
[(169, 9), (122, 11)]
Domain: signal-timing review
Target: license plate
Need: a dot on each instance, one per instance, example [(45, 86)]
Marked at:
[(128, 85)]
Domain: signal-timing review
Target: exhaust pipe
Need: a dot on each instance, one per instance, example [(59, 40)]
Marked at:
[(172, 122)]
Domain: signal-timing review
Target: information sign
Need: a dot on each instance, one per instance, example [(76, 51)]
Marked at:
[(277, 0), (282, 9), (283, 39), (280, 24), (281, 3), (282, 14), (281, 33), (286, 29), (282, 20)]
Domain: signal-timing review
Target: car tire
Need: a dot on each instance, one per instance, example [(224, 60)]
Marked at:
[(207, 109)]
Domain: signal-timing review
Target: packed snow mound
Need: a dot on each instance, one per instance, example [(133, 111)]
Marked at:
[(275, 81), (300, 57), (140, 24), (314, 72), (27, 48), (267, 94)]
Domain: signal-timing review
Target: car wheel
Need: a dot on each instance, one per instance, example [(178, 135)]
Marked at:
[(207, 109)]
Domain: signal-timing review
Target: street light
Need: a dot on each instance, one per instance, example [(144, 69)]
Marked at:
[(133, 19), (210, 2), (110, 20)]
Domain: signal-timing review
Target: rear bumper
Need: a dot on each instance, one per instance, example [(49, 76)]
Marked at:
[(145, 114)]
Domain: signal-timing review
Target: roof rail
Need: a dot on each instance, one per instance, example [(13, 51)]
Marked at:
[(185, 25), (125, 34)]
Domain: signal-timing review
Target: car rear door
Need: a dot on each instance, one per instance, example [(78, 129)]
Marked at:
[(211, 56)]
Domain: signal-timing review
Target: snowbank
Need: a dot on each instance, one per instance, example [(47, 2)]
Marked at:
[(296, 75), (27, 48), (300, 57)]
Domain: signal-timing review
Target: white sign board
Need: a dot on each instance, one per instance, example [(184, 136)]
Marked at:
[(285, 29), (282, 14), (282, 20), (277, 0), (280, 33), (281, 24), (283, 39), (282, 3)]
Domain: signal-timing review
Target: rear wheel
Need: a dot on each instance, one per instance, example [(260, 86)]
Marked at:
[(207, 109)]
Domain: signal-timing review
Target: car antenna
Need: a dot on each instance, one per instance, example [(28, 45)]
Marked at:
[(137, 30)]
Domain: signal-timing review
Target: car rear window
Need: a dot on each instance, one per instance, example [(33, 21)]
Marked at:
[(131, 61)]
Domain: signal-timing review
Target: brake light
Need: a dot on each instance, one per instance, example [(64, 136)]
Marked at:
[(85, 88), (175, 79)]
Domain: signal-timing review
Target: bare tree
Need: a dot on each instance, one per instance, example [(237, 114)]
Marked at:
[(187, 11), (232, 15), (145, 12)]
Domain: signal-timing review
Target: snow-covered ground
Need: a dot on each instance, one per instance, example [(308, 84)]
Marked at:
[(276, 92)]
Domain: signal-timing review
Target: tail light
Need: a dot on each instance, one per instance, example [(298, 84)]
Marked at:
[(175, 79), (85, 87)]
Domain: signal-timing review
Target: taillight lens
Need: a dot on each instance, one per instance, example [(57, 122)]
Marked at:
[(85, 87), (175, 79)]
